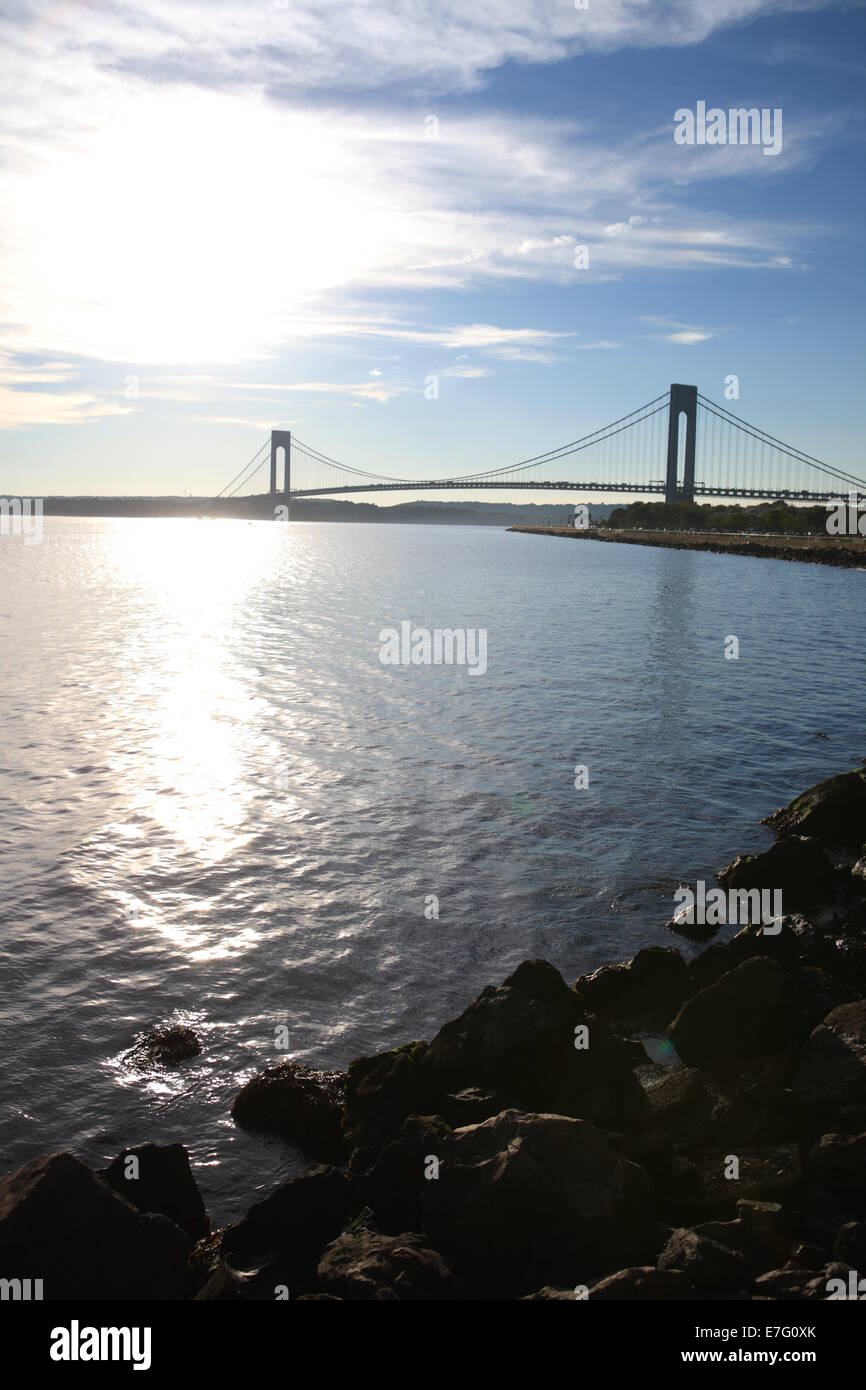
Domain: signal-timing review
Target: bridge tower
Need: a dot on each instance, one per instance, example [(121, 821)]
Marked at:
[(281, 439), (684, 403)]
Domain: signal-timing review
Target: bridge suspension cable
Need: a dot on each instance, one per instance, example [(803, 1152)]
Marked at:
[(246, 466), (789, 450)]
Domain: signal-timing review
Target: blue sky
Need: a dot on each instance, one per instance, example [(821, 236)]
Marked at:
[(220, 218)]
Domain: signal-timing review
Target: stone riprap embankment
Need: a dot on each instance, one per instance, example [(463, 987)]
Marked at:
[(665, 1128)]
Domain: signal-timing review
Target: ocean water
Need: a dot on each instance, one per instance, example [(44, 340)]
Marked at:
[(218, 806)]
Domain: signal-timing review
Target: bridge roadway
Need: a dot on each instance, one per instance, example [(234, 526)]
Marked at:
[(456, 485)]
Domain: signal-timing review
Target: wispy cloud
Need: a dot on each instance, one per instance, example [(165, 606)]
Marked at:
[(686, 335)]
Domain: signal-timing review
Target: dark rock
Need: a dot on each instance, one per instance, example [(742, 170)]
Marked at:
[(298, 1104), (833, 811), (367, 1266), (691, 930), (832, 1067), (809, 1256), (765, 1173), (812, 995), (525, 1199), (649, 989), (550, 1295), (393, 1183), (162, 1183), (661, 1094), (820, 1213), (643, 1281), (165, 1047), (770, 1215), (798, 867), (381, 1091), (518, 1038), (296, 1221), (762, 1113), (850, 1244), (760, 1246), (61, 1223), (727, 1026), (471, 1105), (709, 1266), (838, 1162), (792, 1282)]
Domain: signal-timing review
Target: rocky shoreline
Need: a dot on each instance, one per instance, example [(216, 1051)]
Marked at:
[(663, 1129), (844, 553)]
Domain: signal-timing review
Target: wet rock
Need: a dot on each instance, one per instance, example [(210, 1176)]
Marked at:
[(165, 1047), (521, 1199), (298, 1104), (160, 1180), (798, 867), (649, 989), (708, 1266), (518, 1038), (834, 811), (832, 1068), (364, 1265), (727, 1026), (61, 1223), (838, 1162), (296, 1221), (643, 1282)]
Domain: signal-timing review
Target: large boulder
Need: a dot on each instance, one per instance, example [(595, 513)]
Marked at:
[(710, 1267), (735, 1022), (832, 1067), (298, 1104), (391, 1186), (381, 1091), (61, 1223), (833, 811), (157, 1178), (296, 1221), (524, 1200), (798, 867), (521, 1039), (643, 1282), (650, 988), (165, 1046), (363, 1265), (838, 1162)]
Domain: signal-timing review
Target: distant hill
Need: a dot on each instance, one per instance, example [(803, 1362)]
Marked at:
[(261, 507)]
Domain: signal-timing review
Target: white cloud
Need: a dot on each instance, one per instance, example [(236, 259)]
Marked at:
[(443, 45), (156, 207)]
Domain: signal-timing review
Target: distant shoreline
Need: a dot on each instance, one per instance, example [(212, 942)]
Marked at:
[(844, 552)]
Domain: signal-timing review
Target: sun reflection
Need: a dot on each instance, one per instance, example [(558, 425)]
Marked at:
[(192, 692)]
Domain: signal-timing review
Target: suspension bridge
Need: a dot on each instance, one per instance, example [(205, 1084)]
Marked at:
[(681, 446)]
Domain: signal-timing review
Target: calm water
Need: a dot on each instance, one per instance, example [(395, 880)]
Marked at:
[(216, 805)]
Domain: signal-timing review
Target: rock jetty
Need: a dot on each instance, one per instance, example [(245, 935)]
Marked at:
[(665, 1128)]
